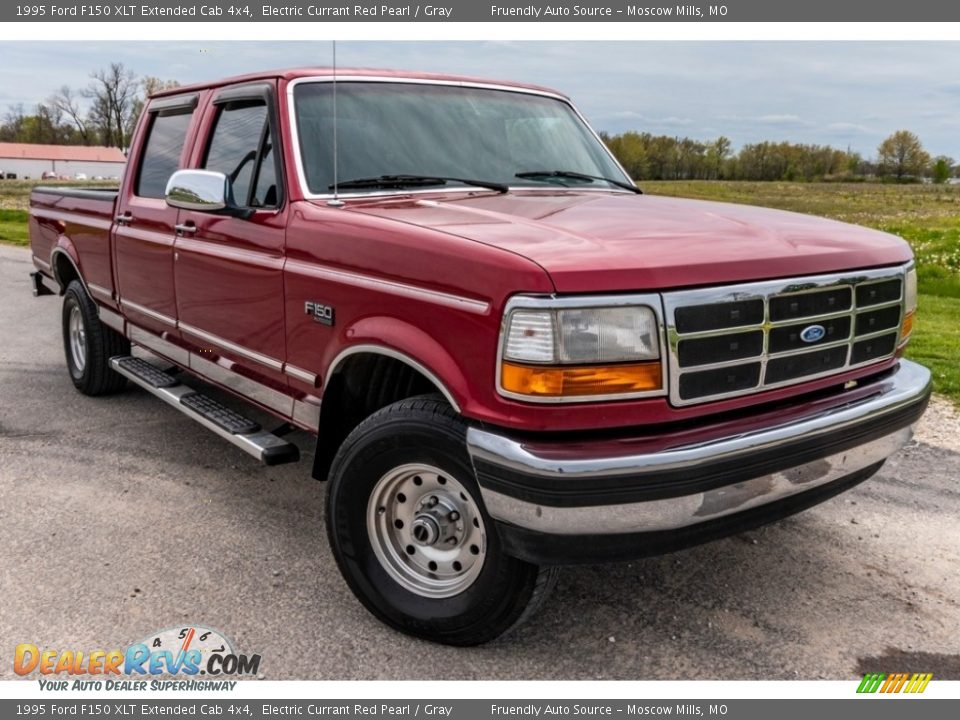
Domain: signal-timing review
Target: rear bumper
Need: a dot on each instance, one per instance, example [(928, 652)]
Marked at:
[(585, 501)]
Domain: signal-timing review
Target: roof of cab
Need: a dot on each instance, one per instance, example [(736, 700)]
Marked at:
[(294, 73)]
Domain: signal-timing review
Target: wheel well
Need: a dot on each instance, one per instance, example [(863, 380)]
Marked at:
[(361, 385), (64, 271)]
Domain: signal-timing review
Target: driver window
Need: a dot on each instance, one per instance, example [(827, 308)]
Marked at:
[(240, 148)]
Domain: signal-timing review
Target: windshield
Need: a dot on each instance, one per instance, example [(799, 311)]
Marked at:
[(443, 131)]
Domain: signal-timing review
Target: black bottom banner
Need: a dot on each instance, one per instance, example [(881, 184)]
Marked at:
[(872, 707)]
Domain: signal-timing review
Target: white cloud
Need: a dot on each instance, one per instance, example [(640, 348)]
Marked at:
[(848, 127), (781, 119), (624, 115)]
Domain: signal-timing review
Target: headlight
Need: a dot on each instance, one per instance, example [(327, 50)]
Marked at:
[(909, 306), (581, 351)]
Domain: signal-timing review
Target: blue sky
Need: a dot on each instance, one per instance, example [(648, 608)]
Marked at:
[(840, 93)]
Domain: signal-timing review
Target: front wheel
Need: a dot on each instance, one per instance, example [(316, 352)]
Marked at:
[(410, 533)]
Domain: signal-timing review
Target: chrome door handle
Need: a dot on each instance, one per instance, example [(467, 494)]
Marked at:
[(124, 219), (185, 228)]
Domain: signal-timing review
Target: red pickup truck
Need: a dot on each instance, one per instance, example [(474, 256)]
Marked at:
[(510, 357)]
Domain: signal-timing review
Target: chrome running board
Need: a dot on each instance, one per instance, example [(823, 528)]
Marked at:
[(213, 415)]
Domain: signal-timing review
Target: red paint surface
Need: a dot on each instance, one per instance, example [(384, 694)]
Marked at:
[(599, 241)]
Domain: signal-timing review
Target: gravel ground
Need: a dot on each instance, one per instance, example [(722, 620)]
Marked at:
[(940, 425), (119, 517)]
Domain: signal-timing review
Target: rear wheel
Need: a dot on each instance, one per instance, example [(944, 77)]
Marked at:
[(410, 533), (89, 344)]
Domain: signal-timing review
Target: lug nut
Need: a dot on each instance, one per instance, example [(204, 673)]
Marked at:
[(432, 501), (453, 516)]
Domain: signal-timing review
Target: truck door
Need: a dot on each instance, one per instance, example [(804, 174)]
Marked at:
[(144, 226), (229, 270)]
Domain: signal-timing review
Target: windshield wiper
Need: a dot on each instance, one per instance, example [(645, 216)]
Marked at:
[(405, 181), (545, 174)]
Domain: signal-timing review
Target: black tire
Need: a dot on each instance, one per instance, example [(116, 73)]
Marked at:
[(91, 373), (505, 592)]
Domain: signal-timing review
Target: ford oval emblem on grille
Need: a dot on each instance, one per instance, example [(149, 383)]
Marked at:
[(813, 333)]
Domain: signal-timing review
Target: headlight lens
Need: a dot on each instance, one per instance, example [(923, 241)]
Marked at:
[(581, 351), (607, 335), (909, 306), (910, 291)]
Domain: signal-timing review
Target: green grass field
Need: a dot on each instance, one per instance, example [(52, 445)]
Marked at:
[(14, 201), (15, 194), (927, 216), (13, 227)]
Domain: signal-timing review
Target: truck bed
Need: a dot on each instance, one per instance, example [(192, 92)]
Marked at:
[(78, 221)]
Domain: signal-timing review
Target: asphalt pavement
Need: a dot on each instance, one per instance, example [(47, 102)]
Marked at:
[(119, 517)]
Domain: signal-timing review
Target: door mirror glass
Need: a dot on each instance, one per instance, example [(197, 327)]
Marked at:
[(202, 190)]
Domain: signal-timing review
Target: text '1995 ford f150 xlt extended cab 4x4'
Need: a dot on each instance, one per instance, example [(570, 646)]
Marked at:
[(511, 359)]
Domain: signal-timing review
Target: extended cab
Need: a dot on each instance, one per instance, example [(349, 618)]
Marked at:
[(511, 359)]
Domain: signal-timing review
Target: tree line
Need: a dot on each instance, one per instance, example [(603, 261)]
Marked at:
[(104, 112), (900, 158)]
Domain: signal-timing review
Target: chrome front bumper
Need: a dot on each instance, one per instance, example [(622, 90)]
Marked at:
[(605, 489)]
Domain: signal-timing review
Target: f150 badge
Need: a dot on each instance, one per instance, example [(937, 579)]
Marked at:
[(318, 311)]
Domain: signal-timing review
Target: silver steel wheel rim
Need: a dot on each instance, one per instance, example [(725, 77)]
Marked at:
[(78, 338), (426, 530)]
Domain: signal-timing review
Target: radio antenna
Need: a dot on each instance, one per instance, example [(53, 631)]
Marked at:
[(336, 202)]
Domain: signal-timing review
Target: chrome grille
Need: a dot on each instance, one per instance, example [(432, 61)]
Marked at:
[(742, 339)]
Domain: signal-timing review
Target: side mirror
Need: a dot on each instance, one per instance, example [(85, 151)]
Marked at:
[(203, 191)]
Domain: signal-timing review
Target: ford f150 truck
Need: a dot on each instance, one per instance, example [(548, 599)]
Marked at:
[(510, 357)]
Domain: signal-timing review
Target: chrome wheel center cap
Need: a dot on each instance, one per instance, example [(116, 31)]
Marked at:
[(425, 530)]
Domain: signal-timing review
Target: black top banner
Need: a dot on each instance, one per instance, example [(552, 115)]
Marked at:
[(224, 707), (485, 11)]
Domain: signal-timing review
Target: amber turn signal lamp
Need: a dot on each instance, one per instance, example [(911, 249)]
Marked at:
[(553, 381), (907, 327)]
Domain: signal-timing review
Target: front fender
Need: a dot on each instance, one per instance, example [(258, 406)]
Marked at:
[(407, 343)]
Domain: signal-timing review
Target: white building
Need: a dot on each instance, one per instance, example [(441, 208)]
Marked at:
[(26, 161)]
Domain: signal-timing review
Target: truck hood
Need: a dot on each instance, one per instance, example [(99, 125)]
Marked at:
[(599, 241)]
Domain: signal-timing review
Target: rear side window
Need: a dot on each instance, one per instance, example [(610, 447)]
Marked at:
[(161, 156), (241, 148)]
